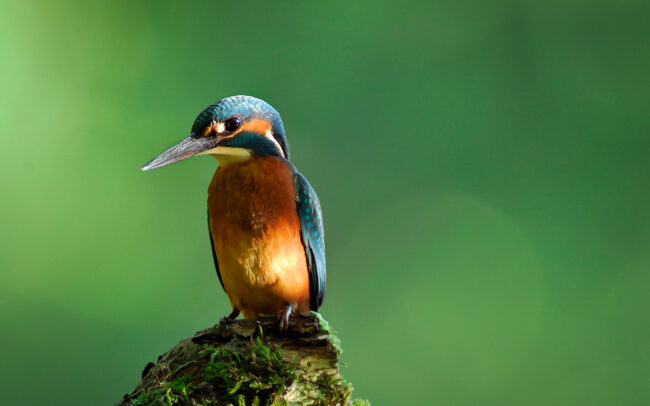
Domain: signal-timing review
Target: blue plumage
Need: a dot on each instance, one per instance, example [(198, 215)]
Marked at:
[(313, 238)]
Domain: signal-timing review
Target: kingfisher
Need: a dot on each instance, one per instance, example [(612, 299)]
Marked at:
[(264, 218)]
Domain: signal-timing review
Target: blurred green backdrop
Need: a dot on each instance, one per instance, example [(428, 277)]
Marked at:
[(483, 170)]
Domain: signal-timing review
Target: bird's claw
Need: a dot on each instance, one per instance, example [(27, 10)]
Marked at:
[(283, 318), (226, 320), (283, 323)]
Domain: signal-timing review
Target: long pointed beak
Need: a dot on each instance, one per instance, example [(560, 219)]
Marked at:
[(187, 148)]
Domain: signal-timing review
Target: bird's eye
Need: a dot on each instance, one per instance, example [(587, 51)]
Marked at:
[(232, 124)]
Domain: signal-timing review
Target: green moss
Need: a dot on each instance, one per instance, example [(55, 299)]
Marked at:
[(168, 393), (326, 327), (256, 376)]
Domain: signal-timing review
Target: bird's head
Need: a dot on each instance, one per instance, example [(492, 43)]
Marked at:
[(231, 130)]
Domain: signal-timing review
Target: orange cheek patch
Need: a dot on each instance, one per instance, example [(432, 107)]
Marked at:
[(257, 125)]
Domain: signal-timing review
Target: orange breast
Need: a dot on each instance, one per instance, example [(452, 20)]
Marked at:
[(256, 235)]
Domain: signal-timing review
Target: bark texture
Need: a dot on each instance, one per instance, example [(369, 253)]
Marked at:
[(248, 362)]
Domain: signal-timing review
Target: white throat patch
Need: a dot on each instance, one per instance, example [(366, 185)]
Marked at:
[(269, 136)]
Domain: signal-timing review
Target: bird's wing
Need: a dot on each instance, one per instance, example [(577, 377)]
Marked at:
[(214, 254), (313, 239)]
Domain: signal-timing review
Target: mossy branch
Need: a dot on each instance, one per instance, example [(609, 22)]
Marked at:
[(248, 362)]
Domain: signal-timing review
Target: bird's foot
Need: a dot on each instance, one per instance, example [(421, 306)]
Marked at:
[(229, 318), (283, 318)]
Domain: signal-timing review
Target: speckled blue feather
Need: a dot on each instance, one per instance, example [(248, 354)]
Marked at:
[(313, 238)]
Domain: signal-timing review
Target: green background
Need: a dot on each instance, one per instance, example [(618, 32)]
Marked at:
[(483, 169)]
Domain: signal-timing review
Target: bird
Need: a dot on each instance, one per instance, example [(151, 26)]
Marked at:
[(264, 218)]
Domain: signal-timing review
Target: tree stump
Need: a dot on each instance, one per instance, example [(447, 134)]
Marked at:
[(249, 362)]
